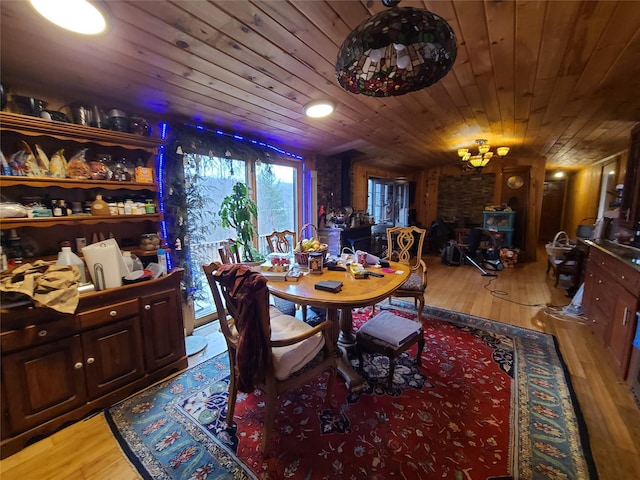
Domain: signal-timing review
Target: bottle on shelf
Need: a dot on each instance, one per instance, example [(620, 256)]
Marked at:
[(99, 206), (67, 257), (162, 261)]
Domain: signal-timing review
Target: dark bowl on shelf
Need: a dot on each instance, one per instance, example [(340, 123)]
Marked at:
[(29, 105)]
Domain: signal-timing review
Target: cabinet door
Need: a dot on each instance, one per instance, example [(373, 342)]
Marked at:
[(623, 327), (162, 329), (112, 356), (46, 381)]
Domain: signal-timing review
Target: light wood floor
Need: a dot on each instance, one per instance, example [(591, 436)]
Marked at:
[(86, 450)]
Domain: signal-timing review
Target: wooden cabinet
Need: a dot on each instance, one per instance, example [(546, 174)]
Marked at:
[(52, 136), (112, 356), (163, 337), (610, 301), (44, 382), (58, 368), (630, 207)]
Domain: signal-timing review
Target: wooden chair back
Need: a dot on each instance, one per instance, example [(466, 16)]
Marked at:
[(405, 246), (405, 243), (229, 251), (281, 242)]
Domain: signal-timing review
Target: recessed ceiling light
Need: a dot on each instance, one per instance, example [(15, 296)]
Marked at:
[(559, 175), (79, 16), (318, 108)]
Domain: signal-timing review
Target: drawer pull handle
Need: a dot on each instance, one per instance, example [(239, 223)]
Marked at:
[(147, 307), (91, 360), (597, 299), (623, 277), (113, 313), (43, 333), (600, 281), (78, 366)]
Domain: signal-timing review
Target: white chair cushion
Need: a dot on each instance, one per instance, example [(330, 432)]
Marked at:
[(292, 358), (390, 328)]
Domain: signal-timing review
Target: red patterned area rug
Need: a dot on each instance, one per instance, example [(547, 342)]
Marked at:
[(490, 401)]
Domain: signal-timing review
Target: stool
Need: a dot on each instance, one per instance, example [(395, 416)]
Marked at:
[(389, 335)]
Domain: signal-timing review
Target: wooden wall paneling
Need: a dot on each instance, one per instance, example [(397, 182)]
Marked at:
[(529, 25), (502, 40), (584, 190)]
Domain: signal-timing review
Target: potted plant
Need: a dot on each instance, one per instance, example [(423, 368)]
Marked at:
[(239, 211)]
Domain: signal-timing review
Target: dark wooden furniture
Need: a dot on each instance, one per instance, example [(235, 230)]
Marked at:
[(57, 368), (570, 265), (356, 238), (611, 300), (368, 340), (52, 136)]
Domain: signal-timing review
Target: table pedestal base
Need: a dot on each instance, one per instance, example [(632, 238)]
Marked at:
[(343, 324)]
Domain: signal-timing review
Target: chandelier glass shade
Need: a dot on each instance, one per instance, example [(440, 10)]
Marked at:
[(484, 155), (397, 51)]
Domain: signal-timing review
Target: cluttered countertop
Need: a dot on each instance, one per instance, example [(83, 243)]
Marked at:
[(628, 255)]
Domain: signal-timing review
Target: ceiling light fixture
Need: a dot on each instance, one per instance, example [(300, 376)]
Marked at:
[(397, 51), (481, 159), (79, 16), (318, 108)]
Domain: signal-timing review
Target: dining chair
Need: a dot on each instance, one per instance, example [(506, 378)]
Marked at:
[(281, 241), (229, 252), (405, 246), (284, 241), (267, 349)]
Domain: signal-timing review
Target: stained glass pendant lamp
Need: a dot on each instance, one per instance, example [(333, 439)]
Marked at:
[(397, 51)]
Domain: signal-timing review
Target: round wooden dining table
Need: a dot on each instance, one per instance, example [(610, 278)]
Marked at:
[(355, 293)]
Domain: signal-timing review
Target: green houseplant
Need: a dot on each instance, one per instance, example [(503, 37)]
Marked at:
[(239, 211)]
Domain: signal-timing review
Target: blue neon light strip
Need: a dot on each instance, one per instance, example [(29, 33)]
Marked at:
[(241, 138), (164, 129)]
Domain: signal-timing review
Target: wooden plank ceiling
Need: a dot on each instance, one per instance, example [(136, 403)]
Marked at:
[(557, 79)]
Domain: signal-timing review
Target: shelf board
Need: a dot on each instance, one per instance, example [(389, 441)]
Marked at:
[(75, 220), (35, 126), (47, 182)]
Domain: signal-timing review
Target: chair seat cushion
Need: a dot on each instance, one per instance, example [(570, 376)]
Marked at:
[(292, 358), (390, 328), (414, 282)]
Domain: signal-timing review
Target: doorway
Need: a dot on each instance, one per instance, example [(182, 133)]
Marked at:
[(552, 209)]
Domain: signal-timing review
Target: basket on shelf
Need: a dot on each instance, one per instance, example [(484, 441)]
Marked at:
[(560, 245), (302, 258)]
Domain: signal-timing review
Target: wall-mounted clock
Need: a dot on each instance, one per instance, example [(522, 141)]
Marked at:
[(515, 182)]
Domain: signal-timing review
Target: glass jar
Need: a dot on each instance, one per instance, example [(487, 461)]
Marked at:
[(316, 262)]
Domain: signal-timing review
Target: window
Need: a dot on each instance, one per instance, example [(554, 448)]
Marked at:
[(276, 191), (208, 179)]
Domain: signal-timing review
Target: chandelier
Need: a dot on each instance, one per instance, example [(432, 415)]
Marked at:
[(397, 51), (480, 159)]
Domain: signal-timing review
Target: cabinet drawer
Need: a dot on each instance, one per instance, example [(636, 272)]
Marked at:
[(32, 335), (602, 289), (110, 313), (625, 275)]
